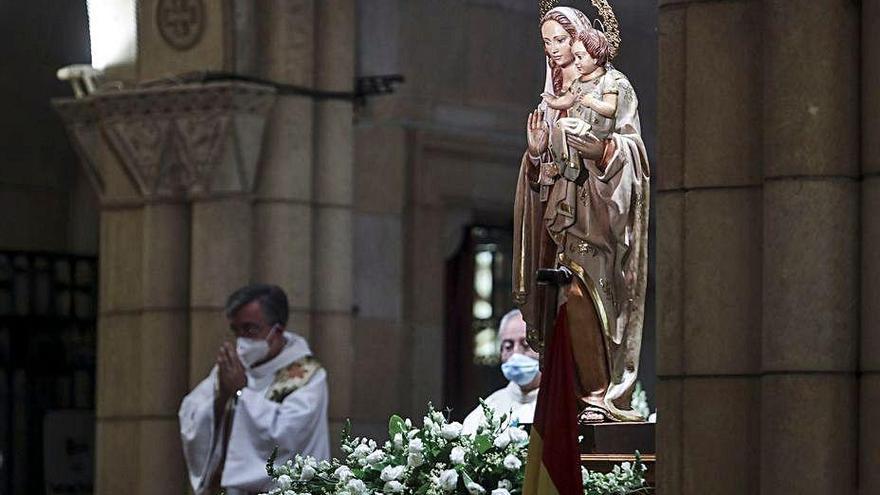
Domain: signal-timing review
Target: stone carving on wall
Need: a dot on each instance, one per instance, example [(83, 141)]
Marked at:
[(176, 140), (180, 22)]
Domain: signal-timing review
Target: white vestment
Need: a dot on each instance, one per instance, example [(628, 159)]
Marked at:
[(509, 400), (263, 416)]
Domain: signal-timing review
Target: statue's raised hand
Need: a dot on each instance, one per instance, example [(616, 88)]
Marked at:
[(537, 133)]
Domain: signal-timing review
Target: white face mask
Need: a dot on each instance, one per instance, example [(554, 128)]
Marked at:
[(251, 351)]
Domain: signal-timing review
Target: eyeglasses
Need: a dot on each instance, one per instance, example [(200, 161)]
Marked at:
[(249, 330)]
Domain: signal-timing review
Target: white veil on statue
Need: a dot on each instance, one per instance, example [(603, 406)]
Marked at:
[(581, 23)]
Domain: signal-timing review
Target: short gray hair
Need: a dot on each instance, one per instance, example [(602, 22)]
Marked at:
[(272, 299), (514, 313)]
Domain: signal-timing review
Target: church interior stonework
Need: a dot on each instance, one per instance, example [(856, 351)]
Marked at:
[(364, 155)]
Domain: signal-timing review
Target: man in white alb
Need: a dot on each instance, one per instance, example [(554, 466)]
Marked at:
[(519, 363), (267, 390)]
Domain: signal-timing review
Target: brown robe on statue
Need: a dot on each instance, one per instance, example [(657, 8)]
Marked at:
[(597, 228)]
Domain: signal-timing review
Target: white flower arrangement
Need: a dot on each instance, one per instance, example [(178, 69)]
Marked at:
[(435, 460)]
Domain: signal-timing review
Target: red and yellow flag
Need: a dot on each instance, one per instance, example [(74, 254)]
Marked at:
[(553, 464)]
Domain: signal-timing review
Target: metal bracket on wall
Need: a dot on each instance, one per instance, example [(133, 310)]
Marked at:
[(364, 87)]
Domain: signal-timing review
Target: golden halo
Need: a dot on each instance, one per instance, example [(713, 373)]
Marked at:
[(609, 21)]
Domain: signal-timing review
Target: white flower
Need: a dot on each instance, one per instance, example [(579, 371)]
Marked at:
[(505, 484), (451, 431), (415, 459), (391, 473), (431, 426), (393, 486), (502, 440), (475, 489), (285, 482), (585, 475), (517, 435), (416, 445), (362, 450), (512, 462), (407, 422), (356, 486), (308, 472), (398, 440), (289, 492), (324, 465), (626, 466), (343, 473), (457, 455), (448, 480), (375, 457), (500, 491)]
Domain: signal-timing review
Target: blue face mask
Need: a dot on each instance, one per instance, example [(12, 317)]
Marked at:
[(520, 369)]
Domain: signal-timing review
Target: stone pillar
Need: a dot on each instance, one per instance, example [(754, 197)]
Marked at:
[(869, 406), (809, 402), (332, 275), (147, 154), (669, 207), (282, 205), (222, 238), (709, 238)]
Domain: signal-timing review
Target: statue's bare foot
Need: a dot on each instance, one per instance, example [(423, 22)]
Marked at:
[(592, 415)]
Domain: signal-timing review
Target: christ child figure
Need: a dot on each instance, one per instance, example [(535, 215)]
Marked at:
[(590, 102)]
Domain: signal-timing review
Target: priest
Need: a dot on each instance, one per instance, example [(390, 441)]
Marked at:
[(265, 391), (519, 364)]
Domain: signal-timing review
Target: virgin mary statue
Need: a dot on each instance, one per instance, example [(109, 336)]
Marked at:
[(580, 242)]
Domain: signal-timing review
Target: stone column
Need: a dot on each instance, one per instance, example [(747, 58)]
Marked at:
[(709, 238), (332, 275), (809, 402), (669, 206), (282, 205), (147, 153), (222, 238), (869, 406)]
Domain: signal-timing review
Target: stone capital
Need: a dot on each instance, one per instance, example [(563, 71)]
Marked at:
[(170, 142)]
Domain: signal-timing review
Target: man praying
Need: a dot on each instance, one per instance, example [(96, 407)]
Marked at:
[(265, 390)]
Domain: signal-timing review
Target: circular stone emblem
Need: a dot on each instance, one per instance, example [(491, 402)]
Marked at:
[(180, 22)]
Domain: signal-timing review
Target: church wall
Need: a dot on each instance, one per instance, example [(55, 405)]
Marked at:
[(709, 202), (810, 152), (47, 205), (869, 382), (417, 191), (760, 212)]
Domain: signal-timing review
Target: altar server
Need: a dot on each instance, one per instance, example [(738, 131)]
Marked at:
[(265, 390)]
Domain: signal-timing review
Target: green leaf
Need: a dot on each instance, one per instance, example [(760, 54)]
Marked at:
[(482, 443), (270, 463), (423, 489), (396, 425), (346, 430)]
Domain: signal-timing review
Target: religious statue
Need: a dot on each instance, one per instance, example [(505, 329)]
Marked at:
[(581, 212)]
